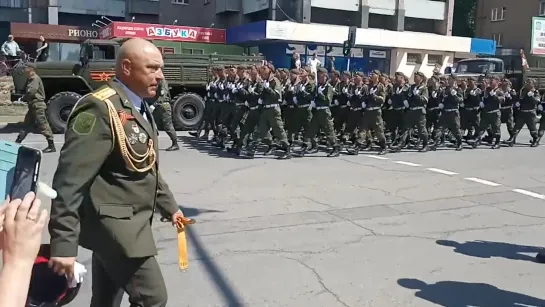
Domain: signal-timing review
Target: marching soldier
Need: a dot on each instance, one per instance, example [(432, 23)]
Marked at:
[(511, 97), (356, 97), (208, 121), (334, 81), (490, 114), (271, 118), (219, 97), (529, 99), (470, 107), (341, 100), (162, 101), (304, 94), (291, 113), (239, 94), (372, 112), (285, 81), (450, 113), (35, 98), (254, 89), (322, 119), (436, 93), (416, 113), (229, 106), (399, 101)]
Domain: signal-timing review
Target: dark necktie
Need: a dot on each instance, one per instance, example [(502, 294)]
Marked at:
[(143, 110)]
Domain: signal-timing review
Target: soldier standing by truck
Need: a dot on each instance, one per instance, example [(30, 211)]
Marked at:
[(529, 99), (35, 98), (162, 102)]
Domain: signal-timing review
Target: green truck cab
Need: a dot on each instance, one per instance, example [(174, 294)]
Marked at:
[(65, 82)]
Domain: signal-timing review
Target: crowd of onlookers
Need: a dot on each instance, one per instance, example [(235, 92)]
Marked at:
[(21, 227)]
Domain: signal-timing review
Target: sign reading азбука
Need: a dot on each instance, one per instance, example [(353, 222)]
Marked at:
[(538, 36), (162, 32)]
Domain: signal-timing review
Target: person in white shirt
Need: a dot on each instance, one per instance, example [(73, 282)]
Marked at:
[(313, 64), (296, 61), (10, 49)]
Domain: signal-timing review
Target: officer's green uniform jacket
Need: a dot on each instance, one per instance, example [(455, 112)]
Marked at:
[(451, 101), (528, 103), (342, 96), (102, 204), (272, 94), (306, 96), (376, 96), (325, 98), (418, 96), (288, 92), (34, 90), (254, 94), (241, 93)]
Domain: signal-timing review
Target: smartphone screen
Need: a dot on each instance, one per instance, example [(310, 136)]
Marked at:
[(25, 177)]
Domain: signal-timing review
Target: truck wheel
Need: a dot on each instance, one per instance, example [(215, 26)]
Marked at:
[(187, 111), (59, 108)]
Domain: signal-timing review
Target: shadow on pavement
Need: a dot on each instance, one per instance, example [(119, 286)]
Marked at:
[(489, 249), (12, 128), (456, 293)]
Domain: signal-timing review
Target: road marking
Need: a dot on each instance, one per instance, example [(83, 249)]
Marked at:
[(407, 163), (528, 193), (376, 157), (482, 181), (441, 171)]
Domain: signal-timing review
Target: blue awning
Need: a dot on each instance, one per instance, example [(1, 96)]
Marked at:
[(483, 46)]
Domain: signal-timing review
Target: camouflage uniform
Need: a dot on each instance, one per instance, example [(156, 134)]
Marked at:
[(162, 102), (529, 99), (491, 115), (398, 103), (239, 94), (470, 109), (36, 114), (450, 115), (372, 115), (341, 100), (304, 93)]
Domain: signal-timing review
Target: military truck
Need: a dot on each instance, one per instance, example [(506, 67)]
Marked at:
[(65, 82), (481, 67)]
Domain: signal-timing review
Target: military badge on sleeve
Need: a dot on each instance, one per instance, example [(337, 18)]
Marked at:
[(84, 123)]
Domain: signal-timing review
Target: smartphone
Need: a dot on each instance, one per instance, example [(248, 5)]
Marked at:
[(8, 159), (27, 168)]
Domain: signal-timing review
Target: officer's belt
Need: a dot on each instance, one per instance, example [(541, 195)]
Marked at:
[(506, 107), (399, 109), (450, 110), (372, 109), (417, 108), (493, 111), (240, 104), (343, 106), (434, 108), (322, 108), (472, 109), (356, 109), (304, 105), (254, 108), (270, 106), (291, 106), (527, 111)]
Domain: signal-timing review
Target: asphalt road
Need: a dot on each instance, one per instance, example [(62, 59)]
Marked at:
[(442, 228)]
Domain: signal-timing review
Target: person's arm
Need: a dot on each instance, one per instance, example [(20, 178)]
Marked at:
[(17, 49), (14, 283), (88, 143), (165, 199), (5, 48), (31, 89), (43, 47)]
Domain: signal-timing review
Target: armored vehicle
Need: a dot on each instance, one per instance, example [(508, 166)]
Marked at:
[(66, 82)]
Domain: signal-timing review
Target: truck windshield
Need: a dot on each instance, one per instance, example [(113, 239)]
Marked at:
[(475, 67)]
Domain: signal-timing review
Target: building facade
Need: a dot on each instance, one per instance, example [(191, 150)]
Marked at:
[(509, 23)]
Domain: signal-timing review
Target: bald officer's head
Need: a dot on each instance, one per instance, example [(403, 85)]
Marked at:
[(139, 66)]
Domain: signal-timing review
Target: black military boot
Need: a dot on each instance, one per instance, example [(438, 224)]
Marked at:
[(425, 146), (206, 134), (303, 151), (540, 257), (250, 152), (19, 140), (335, 152), (220, 143), (383, 148), (538, 140), (535, 140), (513, 139), (497, 141), (367, 145), (287, 153), (355, 150), (50, 147), (174, 145), (195, 133), (459, 144), (269, 150)]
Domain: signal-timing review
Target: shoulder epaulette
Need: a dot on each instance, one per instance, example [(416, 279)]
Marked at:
[(104, 93)]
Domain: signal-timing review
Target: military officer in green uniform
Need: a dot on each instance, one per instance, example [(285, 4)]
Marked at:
[(207, 123), (529, 99), (321, 119), (305, 90), (340, 119), (228, 106), (470, 107), (511, 97), (356, 96), (372, 112), (35, 98), (450, 113), (271, 117), (162, 102), (416, 113), (490, 114), (108, 183), (399, 102), (254, 89), (290, 108), (239, 94)]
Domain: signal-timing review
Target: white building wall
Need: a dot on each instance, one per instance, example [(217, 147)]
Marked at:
[(399, 61)]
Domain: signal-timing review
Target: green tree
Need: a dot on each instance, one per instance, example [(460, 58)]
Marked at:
[(463, 23)]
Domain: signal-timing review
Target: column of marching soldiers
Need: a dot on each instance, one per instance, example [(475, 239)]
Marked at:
[(258, 105)]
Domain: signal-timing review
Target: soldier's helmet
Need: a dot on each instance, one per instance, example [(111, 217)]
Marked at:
[(47, 289)]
